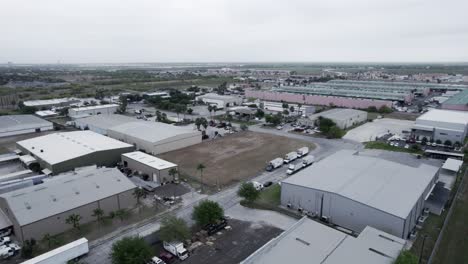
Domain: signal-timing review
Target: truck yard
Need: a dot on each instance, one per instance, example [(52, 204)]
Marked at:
[(233, 158)]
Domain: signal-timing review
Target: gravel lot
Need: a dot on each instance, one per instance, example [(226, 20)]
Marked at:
[(370, 130), (233, 158)]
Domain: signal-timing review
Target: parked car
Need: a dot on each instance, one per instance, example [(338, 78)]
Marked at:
[(156, 260), (5, 240), (267, 184), (258, 186), (167, 257), (279, 127), (212, 229)]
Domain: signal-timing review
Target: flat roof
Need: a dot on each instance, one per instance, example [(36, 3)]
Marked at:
[(64, 193), (58, 147), (11, 123), (49, 101), (149, 160), (339, 113), (460, 98), (382, 184), (153, 131), (452, 164), (94, 107), (106, 121), (311, 242), (447, 116), (219, 97)]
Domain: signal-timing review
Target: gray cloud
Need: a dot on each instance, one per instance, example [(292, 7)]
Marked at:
[(233, 30)]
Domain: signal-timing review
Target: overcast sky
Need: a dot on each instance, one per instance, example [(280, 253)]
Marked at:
[(94, 31)]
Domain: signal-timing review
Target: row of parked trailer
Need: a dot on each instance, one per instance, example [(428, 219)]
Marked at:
[(289, 158)]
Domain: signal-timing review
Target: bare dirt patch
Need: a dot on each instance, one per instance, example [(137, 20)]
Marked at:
[(233, 158)]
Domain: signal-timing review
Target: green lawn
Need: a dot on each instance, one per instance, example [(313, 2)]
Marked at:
[(385, 146)]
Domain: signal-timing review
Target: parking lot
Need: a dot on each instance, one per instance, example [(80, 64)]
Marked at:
[(233, 158), (369, 131)]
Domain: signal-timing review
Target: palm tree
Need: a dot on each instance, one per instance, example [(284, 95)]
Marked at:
[(74, 220), (121, 214), (139, 193), (48, 239), (200, 167), (173, 172), (98, 213)]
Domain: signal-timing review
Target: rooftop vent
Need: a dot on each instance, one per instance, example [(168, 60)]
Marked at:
[(42, 150), (28, 206), (303, 241)]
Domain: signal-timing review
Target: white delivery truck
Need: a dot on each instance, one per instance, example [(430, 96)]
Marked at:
[(274, 164), (308, 160), (63, 254), (177, 249), (294, 168), (303, 151), (6, 252), (290, 157)]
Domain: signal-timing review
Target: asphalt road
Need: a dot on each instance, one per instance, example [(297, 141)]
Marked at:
[(100, 249)]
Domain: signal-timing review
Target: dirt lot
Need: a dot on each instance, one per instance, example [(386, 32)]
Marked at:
[(232, 158)]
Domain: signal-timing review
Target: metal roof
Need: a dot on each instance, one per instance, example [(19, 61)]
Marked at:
[(149, 160), (105, 122), (446, 116), (311, 242), (414, 85), (452, 164), (56, 101), (59, 147), (9, 123), (94, 107), (460, 98), (64, 193), (153, 131), (382, 184)]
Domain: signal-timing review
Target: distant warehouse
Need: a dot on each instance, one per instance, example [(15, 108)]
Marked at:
[(443, 125), (11, 125), (156, 169), (343, 118), (93, 110), (353, 191), (61, 152), (221, 101), (457, 101), (147, 136), (43, 209)]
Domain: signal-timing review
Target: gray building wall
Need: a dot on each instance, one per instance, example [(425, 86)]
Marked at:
[(156, 175), (343, 211), (56, 224)]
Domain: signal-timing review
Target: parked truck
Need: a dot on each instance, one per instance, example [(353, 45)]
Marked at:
[(274, 164), (6, 252), (63, 254), (290, 157), (303, 151), (308, 160), (294, 168), (176, 248)]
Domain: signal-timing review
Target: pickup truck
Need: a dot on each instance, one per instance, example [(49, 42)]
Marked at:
[(211, 229)]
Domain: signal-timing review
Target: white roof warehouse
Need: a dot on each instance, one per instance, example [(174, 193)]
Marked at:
[(41, 209), (61, 152), (354, 191), (310, 242), (442, 125), (11, 125)]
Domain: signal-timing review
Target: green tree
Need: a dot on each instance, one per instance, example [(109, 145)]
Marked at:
[(406, 257), (259, 113), (139, 193), (189, 111), (248, 192), (201, 167), (173, 172), (49, 240), (174, 229), (98, 213), (285, 112), (122, 214), (335, 132), (244, 127), (130, 250), (448, 143), (201, 121), (28, 248), (74, 220), (291, 109), (207, 212), (123, 104)]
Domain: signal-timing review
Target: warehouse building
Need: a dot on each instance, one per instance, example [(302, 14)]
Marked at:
[(92, 110), (310, 242), (43, 209), (61, 152), (11, 125), (157, 169), (102, 123), (458, 101), (221, 101), (343, 118), (443, 125), (50, 103), (155, 137), (353, 191)]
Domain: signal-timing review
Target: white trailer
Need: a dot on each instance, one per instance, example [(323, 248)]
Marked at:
[(62, 254), (177, 249), (290, 157), (274, 164), (303, 151), (6, 252), (308, 160), (294, 168)]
